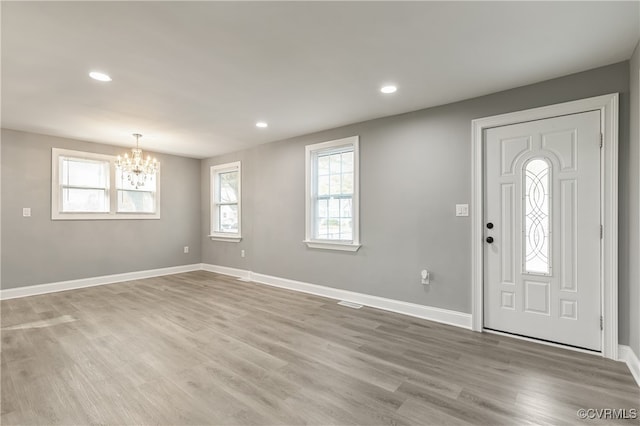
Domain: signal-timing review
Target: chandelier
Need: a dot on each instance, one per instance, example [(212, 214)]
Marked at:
[(135, 167)]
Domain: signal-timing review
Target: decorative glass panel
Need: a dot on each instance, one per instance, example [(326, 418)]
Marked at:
[(536, 210)]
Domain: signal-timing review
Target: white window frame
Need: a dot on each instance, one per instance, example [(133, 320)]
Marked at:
[(311, 153), (56, 190), (216, 234)]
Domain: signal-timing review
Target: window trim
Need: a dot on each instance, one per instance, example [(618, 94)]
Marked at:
[(56, 207), (310, 175), (214, 172)]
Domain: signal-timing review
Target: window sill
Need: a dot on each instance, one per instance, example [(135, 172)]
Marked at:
[(332, 246), (228, 238), (104, 216)]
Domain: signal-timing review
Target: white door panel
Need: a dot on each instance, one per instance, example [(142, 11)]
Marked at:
[(542, 196)]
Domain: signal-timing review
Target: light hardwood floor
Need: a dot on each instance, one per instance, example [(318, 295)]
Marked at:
[(202, 348)]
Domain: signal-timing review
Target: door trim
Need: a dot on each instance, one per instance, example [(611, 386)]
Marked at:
[(608, 107)]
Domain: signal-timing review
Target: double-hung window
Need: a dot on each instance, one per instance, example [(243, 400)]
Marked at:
[(136, 200), (226, 202), (85, 185), (332, 203)]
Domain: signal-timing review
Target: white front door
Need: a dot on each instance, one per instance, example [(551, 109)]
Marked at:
[(542, 269)]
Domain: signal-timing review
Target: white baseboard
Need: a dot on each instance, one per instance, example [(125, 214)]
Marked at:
[(32, 290), (224, 270), (626, 355), (445, 316)]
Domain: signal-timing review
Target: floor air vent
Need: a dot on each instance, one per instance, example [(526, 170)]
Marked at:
[(350, 304)]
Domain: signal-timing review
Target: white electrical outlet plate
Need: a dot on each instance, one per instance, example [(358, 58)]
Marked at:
[(186, 249), (462, 209), (26, 212)]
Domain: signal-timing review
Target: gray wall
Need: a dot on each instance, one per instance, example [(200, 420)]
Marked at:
[(633, 271), (38, 250), (414, 168)]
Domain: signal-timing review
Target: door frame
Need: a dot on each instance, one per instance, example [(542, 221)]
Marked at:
[(608, 107)]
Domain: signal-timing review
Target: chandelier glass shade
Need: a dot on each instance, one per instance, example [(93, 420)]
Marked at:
[(135, 167)]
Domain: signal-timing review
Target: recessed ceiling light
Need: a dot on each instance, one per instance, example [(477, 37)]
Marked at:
[(99, 76), (261, 124), (388, 89)]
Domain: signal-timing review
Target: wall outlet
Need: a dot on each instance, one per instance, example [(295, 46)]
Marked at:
[(241, 253), (186, 249), (462, 209), (26, 212), (424, 276)]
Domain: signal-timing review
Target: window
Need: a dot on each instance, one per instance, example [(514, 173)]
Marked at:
[(226, 201), (332, 195), (85, 185), (135, 200)]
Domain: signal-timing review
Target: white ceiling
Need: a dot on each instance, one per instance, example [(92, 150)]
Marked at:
[(194, 77)]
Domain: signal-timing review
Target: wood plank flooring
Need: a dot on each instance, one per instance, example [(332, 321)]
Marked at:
[(202, 348)]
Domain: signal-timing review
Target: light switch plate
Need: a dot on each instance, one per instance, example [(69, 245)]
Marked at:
[(26, 212), (462, 209)]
